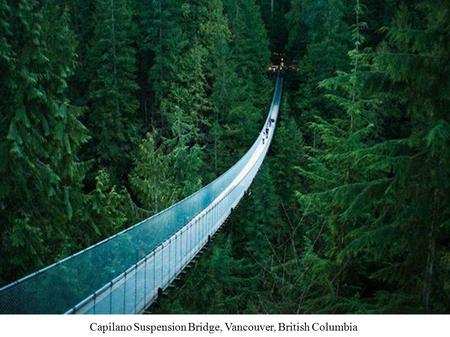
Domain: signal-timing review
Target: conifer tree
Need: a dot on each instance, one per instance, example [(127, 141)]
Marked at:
[(41, 135), (163, 39), (327, 36), (250, 47), (341, 185), (151, 177), (220, 275), (296, 43), (377, 219), (113, 104), (108, 210), (412, 65), (82, 23), (249, 56)]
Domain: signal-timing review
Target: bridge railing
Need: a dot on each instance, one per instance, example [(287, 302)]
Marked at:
[(152, 252)]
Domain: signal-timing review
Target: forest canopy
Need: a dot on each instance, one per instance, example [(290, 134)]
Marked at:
[(113, 110)]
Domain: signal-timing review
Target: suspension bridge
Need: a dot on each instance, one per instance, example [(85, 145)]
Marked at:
[(127, 272)]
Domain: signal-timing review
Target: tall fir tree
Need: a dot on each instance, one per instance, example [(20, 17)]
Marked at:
[(326, 36), (41, 135), (113, 105), (377, 229)]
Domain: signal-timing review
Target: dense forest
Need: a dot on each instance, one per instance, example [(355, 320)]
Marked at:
[(112, 110)]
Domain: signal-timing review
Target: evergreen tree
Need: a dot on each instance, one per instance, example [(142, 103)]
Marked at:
[(296, 43), (376, 222), (249, 56), (272, 12), (108, 210), (163, 39), (151, 178), (285, 155), (82, 24), (113, 104), (225, 287), (348, 214), (40, 137), (341, 187), (412, 67), (327, 37), (250, 47)]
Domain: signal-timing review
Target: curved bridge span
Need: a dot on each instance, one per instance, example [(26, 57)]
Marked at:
[(125, 273)]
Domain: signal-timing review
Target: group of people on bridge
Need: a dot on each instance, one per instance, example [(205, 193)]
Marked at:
[(267, 129)]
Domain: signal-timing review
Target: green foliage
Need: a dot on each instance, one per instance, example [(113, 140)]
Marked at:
[(250, 48), (350, 212), (108, 210), (151, 177), (376, 197), (370, 232), (112, 101), (326, 37), (219, 275), (163, 38), (297, 36), (287, 152), (39, 137)]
